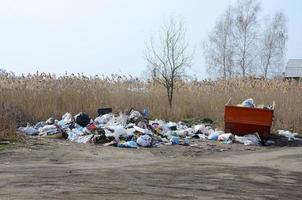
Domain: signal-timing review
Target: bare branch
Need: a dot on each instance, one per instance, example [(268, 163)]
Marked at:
[(169, 58)]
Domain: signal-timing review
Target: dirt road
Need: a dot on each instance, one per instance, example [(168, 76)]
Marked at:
[(48, 169)]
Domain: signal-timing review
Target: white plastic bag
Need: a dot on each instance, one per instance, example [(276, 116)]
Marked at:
[(290, 136), (104, 119), (67, 118), (49, 130), (142, 130), (248, 103), (144, 140), (251, 139), (28, 131), (74, 134), (119, 131)]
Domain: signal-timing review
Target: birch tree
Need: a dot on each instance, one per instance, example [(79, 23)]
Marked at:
[(273, 43), (218, 49), (246, 28)]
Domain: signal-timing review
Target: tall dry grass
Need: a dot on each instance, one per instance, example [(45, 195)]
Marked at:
[(36, 97)]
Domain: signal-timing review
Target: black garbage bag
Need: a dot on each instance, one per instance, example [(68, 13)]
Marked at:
[(82, 119)]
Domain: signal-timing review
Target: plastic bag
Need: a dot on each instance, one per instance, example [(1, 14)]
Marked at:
[(201, 128), (129, 144), (104, 119), (290, 136), (119, 131), (225, 137), (67, 118), (181, 133), (251, 139), (50, 121), (214, 135), (49, 130), (74, 134), (172, 126), (248, 103), (28, 131), (144, 140), (135, 116), (142, 130), (39, 125), (174, 140), (82, 119), (121, 120)]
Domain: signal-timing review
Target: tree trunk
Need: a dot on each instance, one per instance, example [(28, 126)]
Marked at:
[(243, 72), (170, 96)]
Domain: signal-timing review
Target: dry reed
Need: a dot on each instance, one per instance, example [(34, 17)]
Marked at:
[(36, 97)]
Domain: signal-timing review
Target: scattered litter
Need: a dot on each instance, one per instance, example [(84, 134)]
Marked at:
[(289, 135), (250, 139), (5, 142), (134, 130), (28, 131)]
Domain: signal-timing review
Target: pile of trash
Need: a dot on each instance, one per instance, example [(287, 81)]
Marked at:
[(249, 103), (131, 130)]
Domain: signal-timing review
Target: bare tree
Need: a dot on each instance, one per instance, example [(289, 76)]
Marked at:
[(168, 57), (273, 43), (218, 50), (238, 44), (245, 31)]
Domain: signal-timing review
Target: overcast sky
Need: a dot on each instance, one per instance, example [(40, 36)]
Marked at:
[(108, 36)]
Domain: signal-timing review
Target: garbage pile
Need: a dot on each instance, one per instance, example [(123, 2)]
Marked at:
[(131, 130), (249, 103)]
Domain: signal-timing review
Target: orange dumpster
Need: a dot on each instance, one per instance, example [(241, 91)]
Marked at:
[(243, 120)]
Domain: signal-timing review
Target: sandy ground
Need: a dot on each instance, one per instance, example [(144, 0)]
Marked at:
[(53, 169)]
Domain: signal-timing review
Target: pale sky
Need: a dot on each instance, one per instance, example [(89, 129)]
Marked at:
[(108, 36)]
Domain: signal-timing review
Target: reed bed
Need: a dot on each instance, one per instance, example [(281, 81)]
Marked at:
[(36, 97)]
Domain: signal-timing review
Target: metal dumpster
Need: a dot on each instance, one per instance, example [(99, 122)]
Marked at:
[(243, 120)]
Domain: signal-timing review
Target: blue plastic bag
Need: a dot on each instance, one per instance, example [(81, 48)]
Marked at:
[(128, 144), (213, 136), (174, 140)]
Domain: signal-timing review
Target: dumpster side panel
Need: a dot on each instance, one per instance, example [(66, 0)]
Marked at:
[(242, 120)]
